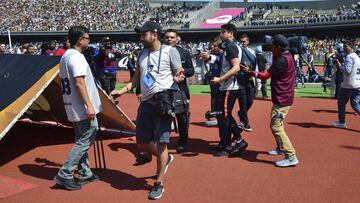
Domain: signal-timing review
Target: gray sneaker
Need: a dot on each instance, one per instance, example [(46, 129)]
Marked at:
[(337, 124), (92, 178), (291, 161), (156, 191), (69, 184), (170, 159), (275, 152)]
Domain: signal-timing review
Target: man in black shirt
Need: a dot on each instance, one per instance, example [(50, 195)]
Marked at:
[(171, 39)]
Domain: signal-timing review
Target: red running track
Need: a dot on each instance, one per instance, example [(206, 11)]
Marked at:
[(328, 170)]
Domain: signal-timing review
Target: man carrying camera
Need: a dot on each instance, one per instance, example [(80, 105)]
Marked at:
[(282, 85), (171, 39), (350, 87), (214, 61), (159, 71), (107, 65), (228, 92)]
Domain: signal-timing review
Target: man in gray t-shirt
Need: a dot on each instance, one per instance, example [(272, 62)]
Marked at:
[(82, 103), (159, 70)]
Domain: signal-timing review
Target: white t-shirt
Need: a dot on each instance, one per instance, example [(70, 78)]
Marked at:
[(351, 69), (148, 63), (73, 64)]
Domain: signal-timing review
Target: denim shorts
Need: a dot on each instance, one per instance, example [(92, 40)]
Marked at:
[(150, 126)]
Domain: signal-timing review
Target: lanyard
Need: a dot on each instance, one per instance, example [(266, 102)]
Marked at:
[(148, 60)]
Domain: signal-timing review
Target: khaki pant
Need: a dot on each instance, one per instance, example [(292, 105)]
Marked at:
[(283, 143)]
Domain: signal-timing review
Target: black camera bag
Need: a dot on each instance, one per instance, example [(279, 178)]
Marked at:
[(179, 102)]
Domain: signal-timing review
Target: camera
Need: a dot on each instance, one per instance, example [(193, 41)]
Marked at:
[(199, 50), (297, 44), (340, 54), (213, 114)]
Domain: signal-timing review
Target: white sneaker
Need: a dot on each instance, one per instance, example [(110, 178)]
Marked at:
[(337, 124), (275, 152), (292, 161)]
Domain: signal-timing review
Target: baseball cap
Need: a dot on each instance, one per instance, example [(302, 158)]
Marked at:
[(279, 40), (148, 26)]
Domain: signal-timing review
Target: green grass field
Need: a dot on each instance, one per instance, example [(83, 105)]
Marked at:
[(309, 91)]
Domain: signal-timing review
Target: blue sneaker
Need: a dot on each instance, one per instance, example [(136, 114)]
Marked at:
[(291, 161), (156, 191)]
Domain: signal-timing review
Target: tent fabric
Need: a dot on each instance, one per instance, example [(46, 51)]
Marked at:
[(40, 96), (19, 72)]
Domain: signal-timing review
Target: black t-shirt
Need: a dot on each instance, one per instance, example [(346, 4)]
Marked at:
[(261, 62), (280, 65), (232, 51)]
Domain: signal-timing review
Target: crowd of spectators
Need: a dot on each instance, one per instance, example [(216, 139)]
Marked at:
[(174, 15), (317, 47), (58, 15), (301, 16)]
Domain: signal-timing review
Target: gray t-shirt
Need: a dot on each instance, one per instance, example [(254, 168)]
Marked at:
[(163, 78), (73, 64)]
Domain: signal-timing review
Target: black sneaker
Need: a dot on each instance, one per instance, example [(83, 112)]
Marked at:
[(238, 148), (222, 152), (69, 184), (156, 191), (143, 158), (217, 148), (180, 149), (247, 128), (93, 178)]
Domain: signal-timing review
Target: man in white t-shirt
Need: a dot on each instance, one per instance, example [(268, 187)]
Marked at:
[(82, 103), (350, 87), (159, 71)]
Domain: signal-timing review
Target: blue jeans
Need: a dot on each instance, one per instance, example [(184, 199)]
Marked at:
[(85, 133), (343, 98)]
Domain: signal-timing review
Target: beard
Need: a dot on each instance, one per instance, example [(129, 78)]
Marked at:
[(148, 44)]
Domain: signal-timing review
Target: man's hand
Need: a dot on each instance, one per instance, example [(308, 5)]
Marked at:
[(337, 63), (205, 55), (179, 76), (116, 94), (244, 68), (91, 112), (215, 80)]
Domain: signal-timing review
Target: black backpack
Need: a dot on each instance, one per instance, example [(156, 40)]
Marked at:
[(250, 60)]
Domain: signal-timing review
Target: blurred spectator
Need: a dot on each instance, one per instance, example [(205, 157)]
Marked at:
[(2, 48), (61, 51), (51, 49)]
